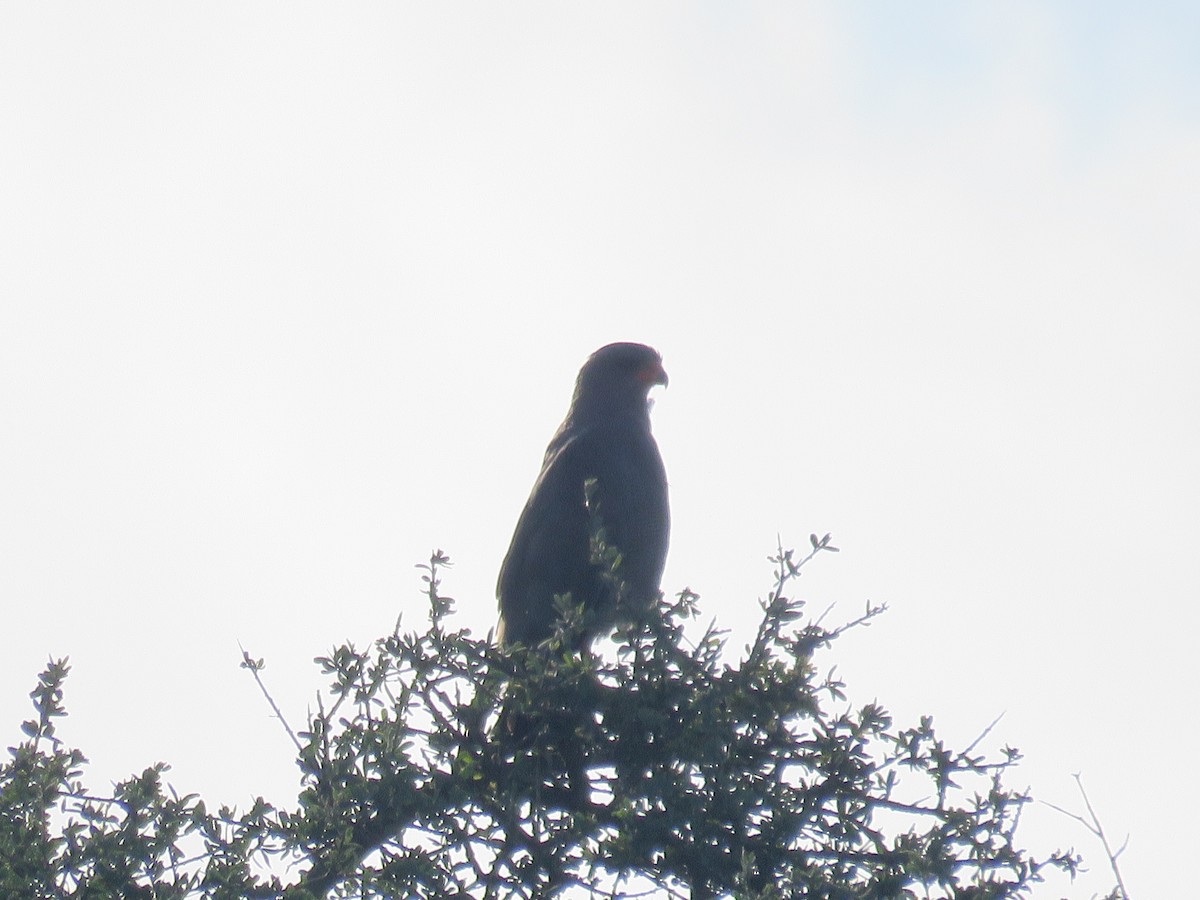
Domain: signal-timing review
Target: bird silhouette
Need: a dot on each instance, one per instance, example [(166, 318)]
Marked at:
[(602, 477)]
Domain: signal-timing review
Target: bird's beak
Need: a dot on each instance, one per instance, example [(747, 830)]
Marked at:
[(654, 374)]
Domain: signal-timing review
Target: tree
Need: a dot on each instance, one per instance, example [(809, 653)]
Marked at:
[(444, 767)]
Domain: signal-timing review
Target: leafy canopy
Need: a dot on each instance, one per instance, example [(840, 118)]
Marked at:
[(444, 767)]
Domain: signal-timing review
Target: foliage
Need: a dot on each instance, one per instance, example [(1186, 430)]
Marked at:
[(445, 767)]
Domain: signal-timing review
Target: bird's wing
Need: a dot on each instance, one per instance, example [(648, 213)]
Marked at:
[(549, 550)]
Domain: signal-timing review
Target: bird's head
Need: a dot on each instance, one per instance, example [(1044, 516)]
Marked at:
[(616, 379)]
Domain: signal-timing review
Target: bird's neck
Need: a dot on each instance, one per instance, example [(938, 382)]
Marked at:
[(607, 411)]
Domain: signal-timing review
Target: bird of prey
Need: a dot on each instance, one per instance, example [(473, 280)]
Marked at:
[(601, 468)]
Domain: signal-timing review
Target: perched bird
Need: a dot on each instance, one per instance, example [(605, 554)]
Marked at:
[(602, 468)]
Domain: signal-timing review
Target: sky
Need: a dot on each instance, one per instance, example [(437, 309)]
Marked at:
[(291, 297)]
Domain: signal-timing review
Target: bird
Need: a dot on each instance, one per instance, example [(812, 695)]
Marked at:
[(602, 469)]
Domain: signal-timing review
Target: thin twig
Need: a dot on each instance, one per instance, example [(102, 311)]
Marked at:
[(1097, 829), (255, 665), (985, 733)]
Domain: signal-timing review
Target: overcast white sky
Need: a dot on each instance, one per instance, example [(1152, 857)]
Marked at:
[(291, 295)]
